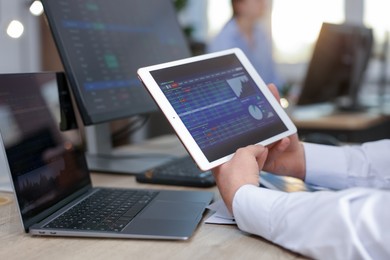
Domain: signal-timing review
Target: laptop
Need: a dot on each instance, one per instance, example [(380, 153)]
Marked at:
[(52, 183)]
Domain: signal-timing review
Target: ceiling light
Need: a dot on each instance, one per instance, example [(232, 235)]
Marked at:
[(15, 29), (36, 8)]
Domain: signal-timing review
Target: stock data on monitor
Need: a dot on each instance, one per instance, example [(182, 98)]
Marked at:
[(102, 44)]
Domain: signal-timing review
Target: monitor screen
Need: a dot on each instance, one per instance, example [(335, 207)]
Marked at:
[(337, 66), (102, 44)]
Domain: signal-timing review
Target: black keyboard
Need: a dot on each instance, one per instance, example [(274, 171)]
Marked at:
[(105, 210), (181, 171)]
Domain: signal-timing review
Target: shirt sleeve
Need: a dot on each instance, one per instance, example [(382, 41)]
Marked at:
[(348, 224), (366, 165)]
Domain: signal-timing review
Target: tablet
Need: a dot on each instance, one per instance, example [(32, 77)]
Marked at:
[(216, 103)]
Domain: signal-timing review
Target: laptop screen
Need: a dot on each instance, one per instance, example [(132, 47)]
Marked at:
[(46, 165)]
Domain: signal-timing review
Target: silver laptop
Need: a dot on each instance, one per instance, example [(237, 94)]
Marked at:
[(51, 181)]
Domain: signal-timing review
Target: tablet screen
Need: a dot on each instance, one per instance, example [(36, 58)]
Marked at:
[(220, 104)]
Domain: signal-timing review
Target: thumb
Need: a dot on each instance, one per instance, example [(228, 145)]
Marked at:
[(261, 158)]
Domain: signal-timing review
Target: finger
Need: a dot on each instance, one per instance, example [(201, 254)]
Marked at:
[(280, 146), (278, 149), (282, 143), (259, 151), (272, 145), (274, 91), (253, 150), (241, 155), (261, 159)]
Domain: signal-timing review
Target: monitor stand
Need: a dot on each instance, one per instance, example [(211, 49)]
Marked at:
[(346, 104), (130, 159)]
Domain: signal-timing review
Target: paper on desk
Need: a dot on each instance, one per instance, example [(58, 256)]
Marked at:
[(221, 214), (5, 184)]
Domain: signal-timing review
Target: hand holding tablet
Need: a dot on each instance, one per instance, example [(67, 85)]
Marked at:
[(216, 103)]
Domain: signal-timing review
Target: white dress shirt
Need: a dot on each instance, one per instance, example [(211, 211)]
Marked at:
[(352, 223)]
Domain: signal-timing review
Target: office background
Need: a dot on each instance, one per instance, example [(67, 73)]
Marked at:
[(26, 44), (294, 27)]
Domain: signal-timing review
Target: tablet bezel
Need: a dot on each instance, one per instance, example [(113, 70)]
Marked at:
[(181, 130)]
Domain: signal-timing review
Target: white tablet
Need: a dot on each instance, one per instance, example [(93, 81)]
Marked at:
[(216, 103)]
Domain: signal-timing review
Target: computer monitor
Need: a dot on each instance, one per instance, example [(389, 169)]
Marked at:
[(337, 67), (102, 44)]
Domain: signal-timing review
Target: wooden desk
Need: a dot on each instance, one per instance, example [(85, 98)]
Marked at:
[(208, 242), (346, 127)]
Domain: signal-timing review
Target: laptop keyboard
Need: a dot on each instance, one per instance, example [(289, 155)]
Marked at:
[(105, 210)]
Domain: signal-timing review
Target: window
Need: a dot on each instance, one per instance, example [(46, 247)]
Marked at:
[(376, 16), (219, 12), (296, 24)]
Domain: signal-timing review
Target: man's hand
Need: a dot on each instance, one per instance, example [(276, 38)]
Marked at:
[(242, 169), (287, 156)]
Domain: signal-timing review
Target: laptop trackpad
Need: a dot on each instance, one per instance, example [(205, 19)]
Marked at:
[(165, 219), (162, 209)]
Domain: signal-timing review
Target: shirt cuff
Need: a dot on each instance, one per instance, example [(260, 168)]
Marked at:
[(251, 209), (325, 166)]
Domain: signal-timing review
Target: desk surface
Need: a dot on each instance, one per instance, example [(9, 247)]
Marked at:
[(342, 121), (347, 127), (209, 241)]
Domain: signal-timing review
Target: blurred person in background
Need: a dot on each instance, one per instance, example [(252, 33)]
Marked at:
[(245, 31)]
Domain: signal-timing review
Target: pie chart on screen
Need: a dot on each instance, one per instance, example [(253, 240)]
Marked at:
[(255, 112)]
